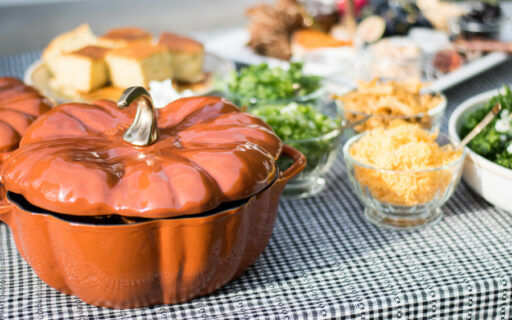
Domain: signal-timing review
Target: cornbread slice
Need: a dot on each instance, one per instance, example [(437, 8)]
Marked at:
[(137, 65), (69, 41), (122, 37), (83, 70), (187, 57)]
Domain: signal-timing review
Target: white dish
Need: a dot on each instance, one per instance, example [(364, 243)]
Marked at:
[(232, 45), (38, 75), (492, 181)]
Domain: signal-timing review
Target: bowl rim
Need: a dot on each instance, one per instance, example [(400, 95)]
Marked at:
[(439, 109), (459, 112), (355, 138)]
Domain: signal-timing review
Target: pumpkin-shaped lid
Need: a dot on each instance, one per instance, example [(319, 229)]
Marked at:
[(20, 105), (85, 159)]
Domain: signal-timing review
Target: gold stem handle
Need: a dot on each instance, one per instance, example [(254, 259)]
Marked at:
[(144, 129)]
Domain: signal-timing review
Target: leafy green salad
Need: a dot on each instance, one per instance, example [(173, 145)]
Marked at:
[(495, 140), (304, 128), (263, 83)]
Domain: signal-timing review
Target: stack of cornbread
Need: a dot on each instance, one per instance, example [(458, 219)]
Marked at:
[(85, 66)]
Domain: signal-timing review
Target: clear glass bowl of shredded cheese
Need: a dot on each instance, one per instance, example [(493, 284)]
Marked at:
[(403, 174)]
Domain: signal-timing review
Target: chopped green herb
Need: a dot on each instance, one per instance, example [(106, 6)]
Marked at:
[(491, 143), (263, 83), (304, 128)]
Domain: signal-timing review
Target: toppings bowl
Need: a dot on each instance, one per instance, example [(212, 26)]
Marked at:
[(263, 85), (386, 102), (407, 189), (313, 129), (485, 174), (163, 210)]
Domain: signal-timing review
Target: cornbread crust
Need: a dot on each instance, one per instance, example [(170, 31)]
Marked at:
[(92, 52), (137, 65), (121, 37), (67, 42), (177, 43)]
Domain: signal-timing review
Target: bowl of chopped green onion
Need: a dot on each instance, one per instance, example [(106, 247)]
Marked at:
[(261, 84), (314, 130)]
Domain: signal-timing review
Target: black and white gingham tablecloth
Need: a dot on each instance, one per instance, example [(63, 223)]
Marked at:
[(325, 261)]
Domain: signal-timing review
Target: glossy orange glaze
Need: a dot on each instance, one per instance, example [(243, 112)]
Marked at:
[(73, 160), (154, 262), (19, 106)]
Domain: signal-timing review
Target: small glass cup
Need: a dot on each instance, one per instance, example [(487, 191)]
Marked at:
[(430, 188), (320, 153), (396, 58)]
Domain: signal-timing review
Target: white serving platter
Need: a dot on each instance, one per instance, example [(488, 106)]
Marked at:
[(232, 45)]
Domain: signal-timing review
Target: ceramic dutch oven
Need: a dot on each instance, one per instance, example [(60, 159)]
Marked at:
[(163, 210)]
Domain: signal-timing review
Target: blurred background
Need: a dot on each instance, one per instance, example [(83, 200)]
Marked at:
[(340, 39), (31, 24)]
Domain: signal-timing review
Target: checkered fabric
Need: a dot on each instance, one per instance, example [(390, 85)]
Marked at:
[(325, 261)]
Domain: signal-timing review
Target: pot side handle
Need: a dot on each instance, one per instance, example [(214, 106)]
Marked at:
[(298, 164)]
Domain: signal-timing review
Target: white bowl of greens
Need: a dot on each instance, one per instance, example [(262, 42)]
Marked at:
[(488, 166)]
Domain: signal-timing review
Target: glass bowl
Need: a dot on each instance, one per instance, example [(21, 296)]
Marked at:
[(320, 152), (431, 120), (387, 204), (396, 58)]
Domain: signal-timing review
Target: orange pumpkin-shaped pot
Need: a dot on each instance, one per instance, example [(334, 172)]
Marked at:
[(160, 211), (20, 105)]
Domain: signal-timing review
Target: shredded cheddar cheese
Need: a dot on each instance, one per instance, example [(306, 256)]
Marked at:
[(409, 149)]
